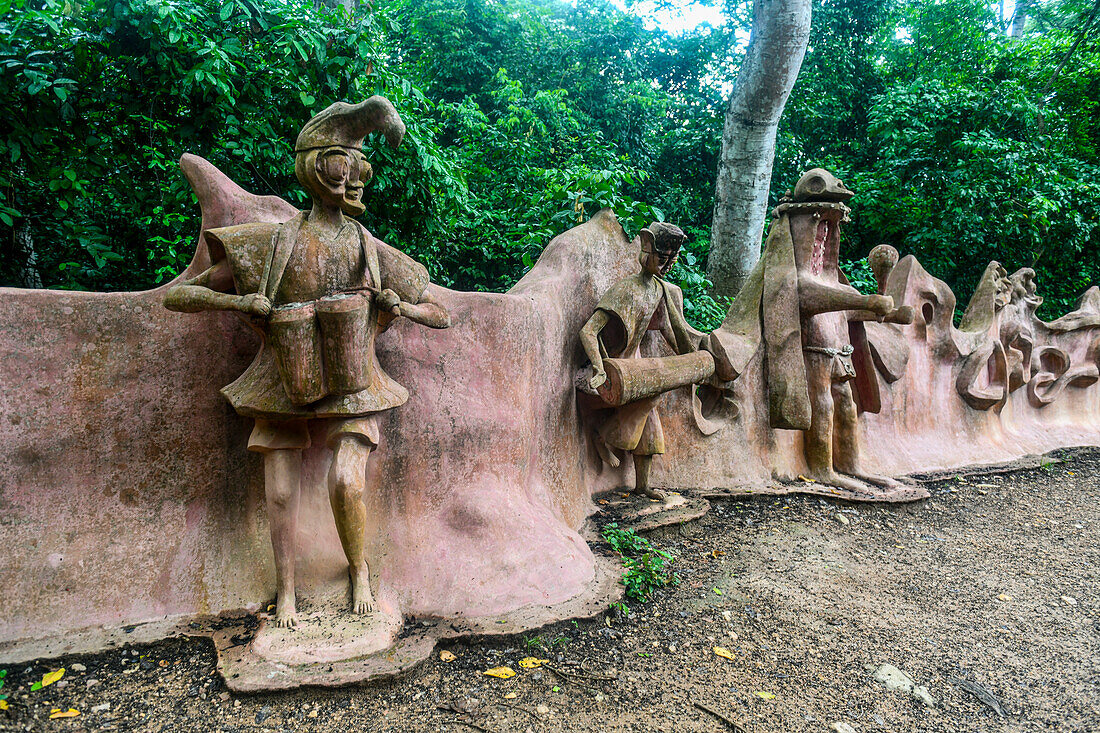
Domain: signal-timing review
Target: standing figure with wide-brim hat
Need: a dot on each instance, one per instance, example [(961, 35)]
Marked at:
[(319, 288)]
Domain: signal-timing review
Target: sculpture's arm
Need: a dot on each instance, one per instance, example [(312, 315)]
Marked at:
[(817, 297), (902, 315), (427, 312), (590, 342), (210, 290)]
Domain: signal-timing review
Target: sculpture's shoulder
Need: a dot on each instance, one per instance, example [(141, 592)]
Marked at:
[(397, 271), (246, 247), (674, 294), (623, 296)]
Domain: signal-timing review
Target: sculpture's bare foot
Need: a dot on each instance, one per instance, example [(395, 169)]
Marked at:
[(839, 480), (286, 614), (655, 494), (884, 481), (362, 600), (606, 454)]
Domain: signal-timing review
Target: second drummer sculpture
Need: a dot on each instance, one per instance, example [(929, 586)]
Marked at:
[(319, 288), (612, 340)]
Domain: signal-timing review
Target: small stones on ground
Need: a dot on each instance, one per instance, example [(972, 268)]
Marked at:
[(894, 679), (77, 667), (101, 708), (542, 710), (265, 712), (91, 682), (1004, 597), (1069, 600), (842, 728), (843, 519)]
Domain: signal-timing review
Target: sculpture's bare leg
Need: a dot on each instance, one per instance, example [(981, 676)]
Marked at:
[(282, 490), (846, 446), (347, 477), (642, 465), (606, 453), (819, 438)]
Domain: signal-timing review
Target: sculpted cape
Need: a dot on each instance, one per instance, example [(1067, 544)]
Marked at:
[(257, 256)]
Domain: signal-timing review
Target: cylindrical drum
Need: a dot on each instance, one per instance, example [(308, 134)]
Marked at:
[(629, 380), (347, 338), (293, 335)]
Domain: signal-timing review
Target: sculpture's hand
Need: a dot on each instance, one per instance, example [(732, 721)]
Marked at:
[(598, 378), (256, 304), (388, 301), (902, 315), (880, 304)]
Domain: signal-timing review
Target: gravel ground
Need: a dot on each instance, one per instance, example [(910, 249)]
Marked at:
[(995, 581)]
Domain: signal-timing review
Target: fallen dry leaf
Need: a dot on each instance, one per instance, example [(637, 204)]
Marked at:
[(59, 713), (446, 656), (724, 653), (532, 662), (765, 695), (500, 672), (807, 479)]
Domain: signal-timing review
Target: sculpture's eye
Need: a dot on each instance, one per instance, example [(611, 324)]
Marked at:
[(816, 184), (335, 166)]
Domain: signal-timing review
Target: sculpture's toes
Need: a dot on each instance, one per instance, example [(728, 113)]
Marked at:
[(655, 494), (286, 620)]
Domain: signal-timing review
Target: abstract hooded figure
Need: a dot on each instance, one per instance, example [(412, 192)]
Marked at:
[(798, 305)]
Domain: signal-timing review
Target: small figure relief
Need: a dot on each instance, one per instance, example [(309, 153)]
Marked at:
[(625, 381), (799, 306), (318, 288), (983, 376)]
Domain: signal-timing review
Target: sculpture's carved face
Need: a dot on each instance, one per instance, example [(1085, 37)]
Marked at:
[(660, 247), (335, 176)]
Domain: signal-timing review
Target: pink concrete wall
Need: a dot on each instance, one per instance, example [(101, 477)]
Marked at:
[(127, 495)]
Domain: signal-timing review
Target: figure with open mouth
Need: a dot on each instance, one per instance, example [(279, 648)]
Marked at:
[(318, 288)]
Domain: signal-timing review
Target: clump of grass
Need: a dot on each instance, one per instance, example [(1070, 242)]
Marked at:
[(646, 566)]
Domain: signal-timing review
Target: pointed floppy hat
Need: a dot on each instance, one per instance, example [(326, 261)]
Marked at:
[(346, 125)]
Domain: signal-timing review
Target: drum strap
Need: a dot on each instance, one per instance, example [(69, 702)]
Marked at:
[(282, 246), (370, 254)]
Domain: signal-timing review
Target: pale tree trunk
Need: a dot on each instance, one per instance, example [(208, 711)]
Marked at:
[(780, 31), (1019, 19)]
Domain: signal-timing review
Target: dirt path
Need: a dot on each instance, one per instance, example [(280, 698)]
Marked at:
[(995, 580)]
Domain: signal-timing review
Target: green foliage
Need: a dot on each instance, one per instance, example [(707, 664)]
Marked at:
[(525, 117), (958, 151), (647, 568)]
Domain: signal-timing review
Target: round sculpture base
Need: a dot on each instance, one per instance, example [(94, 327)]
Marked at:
[(331, 647)]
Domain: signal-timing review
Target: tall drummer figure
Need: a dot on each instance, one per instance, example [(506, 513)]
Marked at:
[(318, 288), (636, 304)]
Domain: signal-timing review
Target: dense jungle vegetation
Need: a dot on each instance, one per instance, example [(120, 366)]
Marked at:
[(966, 137)]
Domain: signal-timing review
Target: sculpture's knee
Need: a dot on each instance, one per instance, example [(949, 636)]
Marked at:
[(281, 478), (345, 487)]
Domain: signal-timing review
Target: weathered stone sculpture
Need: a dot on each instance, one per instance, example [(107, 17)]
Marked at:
[(612, 340), (318, 288), (798, 305), (113, 424)]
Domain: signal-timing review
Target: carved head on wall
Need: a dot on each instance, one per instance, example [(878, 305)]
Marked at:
[(660, 246), (328, 155)]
